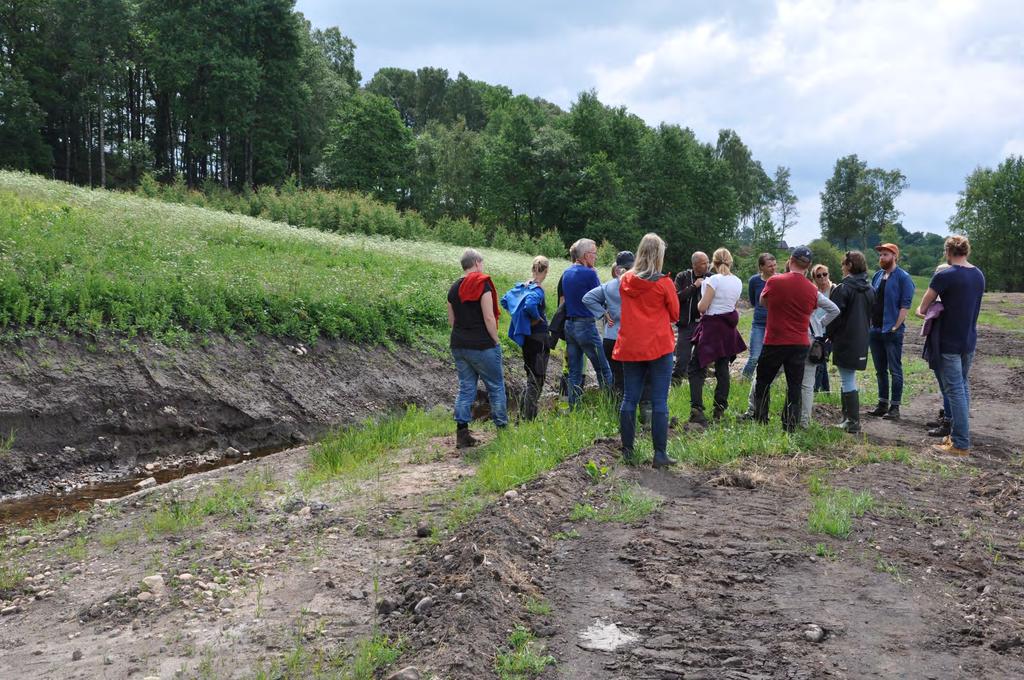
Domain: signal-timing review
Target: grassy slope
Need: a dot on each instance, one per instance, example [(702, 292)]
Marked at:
[(88, 260)]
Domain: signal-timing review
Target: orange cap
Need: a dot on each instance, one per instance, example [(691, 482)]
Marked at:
[(891, 247)]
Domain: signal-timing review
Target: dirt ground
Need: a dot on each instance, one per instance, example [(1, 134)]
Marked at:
[(723, 580)]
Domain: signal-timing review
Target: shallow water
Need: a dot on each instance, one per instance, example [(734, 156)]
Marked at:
[(47, 507)]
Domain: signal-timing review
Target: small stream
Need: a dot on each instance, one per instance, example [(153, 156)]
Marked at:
[(48, 507)]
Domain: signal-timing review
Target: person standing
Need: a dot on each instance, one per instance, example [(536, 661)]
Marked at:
[(605, 302), (688, 287), (932, 353), (820, 318), (581, 336), (473, 317), (855, 299), (716, 339), (766, 266), (820, 278), (650, 305), (529, 329), (894, 293), (961, 287), (790, 299)]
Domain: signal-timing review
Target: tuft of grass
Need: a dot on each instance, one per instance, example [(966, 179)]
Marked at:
[(353, 452), (226, 498), (833, 510), (825, 550), (6, 444), (523, 659), (890, 568), (570, 535), (112, 539), (628, 503), (537, 606), (11, 577), (78, 549), (370, 656)]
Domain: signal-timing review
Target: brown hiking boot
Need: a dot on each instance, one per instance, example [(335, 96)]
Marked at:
[(463, 439), (949, 449)]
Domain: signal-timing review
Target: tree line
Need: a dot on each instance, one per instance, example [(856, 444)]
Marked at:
[(237, 96)]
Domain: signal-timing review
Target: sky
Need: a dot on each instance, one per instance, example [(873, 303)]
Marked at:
[(932, 87)]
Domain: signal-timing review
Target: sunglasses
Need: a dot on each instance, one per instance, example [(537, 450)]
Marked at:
[(821, 275)]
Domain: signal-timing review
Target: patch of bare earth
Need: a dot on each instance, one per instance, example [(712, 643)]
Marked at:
[(296, 571)]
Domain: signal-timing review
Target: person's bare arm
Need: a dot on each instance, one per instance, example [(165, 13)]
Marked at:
[(487, 307), (929, 297), (705, 300), (451, 316)]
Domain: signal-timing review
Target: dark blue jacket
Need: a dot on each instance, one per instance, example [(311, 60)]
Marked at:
[(899, 294)]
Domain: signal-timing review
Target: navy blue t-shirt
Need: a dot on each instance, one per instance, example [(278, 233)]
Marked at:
[(754, 287), (961, 289), (577, 281)]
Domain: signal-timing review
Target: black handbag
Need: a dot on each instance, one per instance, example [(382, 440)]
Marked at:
[(818, 352)]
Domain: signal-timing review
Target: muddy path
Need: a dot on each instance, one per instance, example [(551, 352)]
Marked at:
[(284, 576), (726, 579)]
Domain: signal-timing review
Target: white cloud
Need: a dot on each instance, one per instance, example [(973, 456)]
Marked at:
[(1014, 147)]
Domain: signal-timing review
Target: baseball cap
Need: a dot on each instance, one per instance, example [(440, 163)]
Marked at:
[(802, 253), (625, 259), (891, 247)]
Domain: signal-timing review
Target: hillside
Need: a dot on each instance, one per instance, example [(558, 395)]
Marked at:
[(137, 328)]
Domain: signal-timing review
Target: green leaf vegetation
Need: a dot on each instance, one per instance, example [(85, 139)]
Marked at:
[(523, 659), (91, 261), (833, 510)]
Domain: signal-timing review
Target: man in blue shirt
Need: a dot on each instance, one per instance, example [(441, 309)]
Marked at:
[(894, 293), (581, 336), (961, 288)]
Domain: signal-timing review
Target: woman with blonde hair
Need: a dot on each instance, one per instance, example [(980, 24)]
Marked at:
[(716, 339), (529, 329), (646, 345)]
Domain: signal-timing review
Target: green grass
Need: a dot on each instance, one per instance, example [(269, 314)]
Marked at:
[(833, 510), (996, 318), (891, 568), (628, 503), (363, 661), (86, 261), (825, 550), (226, 498), (523, 659), (11, 577), (354, 452), (537, 606)]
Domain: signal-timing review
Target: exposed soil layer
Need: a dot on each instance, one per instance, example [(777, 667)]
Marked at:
[(77, 406)]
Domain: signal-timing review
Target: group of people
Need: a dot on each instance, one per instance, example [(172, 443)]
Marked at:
[(657, 329)]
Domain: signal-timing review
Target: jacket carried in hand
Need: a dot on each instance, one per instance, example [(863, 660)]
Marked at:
[(649, 308), (854, 297)]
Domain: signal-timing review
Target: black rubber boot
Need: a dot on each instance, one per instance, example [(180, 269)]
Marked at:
[(697, 416), (717, 414), (880, 410), (851, 409), (463, 439), (893, 413), (938, 421), (943, 429), (662, 460)]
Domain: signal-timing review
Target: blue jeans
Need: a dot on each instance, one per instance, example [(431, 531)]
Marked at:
[(657, 373), (955, 368), (582, 339), (848, 378), (887, 356), (945, 399), (480, 364), (756, 343)]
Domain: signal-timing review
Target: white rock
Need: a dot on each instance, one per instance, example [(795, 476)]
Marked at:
[(511, 494), (22, 540), (145, 596), (185, 578), (146, 483), (150, 467), (154, 583)]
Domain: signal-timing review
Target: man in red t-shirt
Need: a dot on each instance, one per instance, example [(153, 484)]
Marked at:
[(790, 299)]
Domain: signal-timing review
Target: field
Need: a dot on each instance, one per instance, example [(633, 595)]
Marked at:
[(379, 547)]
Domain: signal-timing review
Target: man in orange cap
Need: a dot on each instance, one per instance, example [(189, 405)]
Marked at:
[(894, 292)]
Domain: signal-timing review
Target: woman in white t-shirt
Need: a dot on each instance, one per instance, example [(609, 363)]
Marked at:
[(716, 339)]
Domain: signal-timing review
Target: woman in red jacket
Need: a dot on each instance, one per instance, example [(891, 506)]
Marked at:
[(646, 345)]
